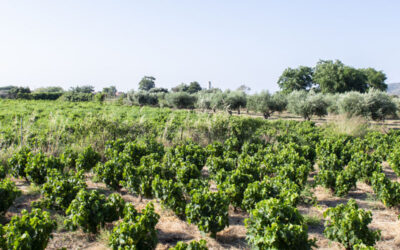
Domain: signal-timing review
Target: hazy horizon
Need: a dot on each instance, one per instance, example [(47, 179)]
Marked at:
[(230, 43)]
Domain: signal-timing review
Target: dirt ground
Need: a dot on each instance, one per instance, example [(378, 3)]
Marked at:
[(171, 229)]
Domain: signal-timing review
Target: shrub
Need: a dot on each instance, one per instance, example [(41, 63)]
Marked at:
[(394, 160), (60, 189), (87, 159), (235, 185), (387, 191), (18, 162), (30, 231), (209, 211), (8, 193), (266, 103), (191, 152), (353, 104), (274, 224), (136, 231), (68, 158), (90, 210), (193, 245), (349, 225), (379, 105), (39, 165), (181, 100), (3, 172), (171, 195), (307, 104), (111, 172), (279, 188)]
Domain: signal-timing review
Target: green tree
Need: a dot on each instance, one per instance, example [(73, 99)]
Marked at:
[(335, 77), (375, 79), (110, 91), (147, 83), (266, 103), (194, 87), (296, 79)]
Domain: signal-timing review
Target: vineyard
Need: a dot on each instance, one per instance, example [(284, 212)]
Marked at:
[(89, 175)]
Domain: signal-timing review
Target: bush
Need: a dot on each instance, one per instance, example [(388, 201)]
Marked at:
[(181, 100), (394, 160), (353, 104), (279, 188), (380, 105), (61, 189), (39, 165), (385, 189), (30, 231), (3, 172), (68, 158), (90, 210), (18, 162), (209, 211), (307, 104), (136, 231), (193, 245), (266, 103), (235, 185), (111, 172), (171, 195), (87, 159), (191, 152), (8, 193), (349, 225), (274, 224)]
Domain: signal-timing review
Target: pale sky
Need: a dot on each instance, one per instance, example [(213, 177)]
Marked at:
[(227, 42)]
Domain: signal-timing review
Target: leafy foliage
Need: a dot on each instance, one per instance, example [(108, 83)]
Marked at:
[(171, 194), (87, 159), (386, 190), (208, 210), (28, 231), (274, 224), (279, 188), (136, 231), (39, 165), (60, 189), (8, 193), (18, 162), (90, 210), (349, 225), (193, 245)]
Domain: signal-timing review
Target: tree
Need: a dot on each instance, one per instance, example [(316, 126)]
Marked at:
[(296, 79), (236, 100), (266, 103), (181, 100), (375, 79), (335, 77), (87, 89), (52, 89), (379, 105), (307, 104), (147, 83), (194, 87), (110, 91), (243, 88)]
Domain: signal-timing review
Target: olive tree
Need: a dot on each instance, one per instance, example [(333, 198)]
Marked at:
[(266, 103), (307, 104)]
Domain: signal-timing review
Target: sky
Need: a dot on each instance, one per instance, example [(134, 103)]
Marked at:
[(227, 42)]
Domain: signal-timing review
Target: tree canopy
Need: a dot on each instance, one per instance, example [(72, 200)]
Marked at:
[(330, 76), (147, 83)]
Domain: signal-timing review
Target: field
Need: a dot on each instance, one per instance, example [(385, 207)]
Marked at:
[(198, 167)]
